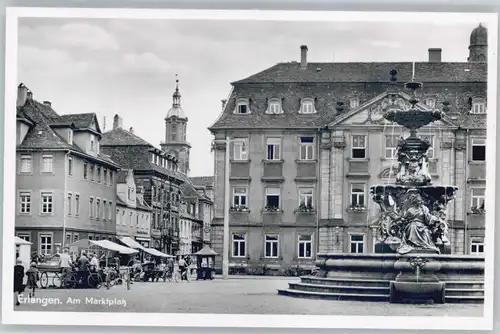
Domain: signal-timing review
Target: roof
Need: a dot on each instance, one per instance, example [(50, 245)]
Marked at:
[(206, 250), (188, 188), (121, 176), (203, 181), (41, 135), (339, 83), (120, 202), (142, 206), (81, 121), (122, 137), (369, 72)]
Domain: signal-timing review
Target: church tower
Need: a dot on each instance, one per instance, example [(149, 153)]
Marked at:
[(478, 48), (175, 132)]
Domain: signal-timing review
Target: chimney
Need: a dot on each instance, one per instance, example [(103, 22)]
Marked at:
[(22, 95), (435, 55), (117, 122), (131, 130), (47, 103), (303, 56)]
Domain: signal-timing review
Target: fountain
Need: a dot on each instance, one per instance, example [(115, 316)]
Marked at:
[(419, 267)]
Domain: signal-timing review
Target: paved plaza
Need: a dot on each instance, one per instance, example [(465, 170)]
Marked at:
[(237, 295)]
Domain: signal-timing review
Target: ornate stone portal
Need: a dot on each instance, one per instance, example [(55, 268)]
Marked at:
[(413, 219)]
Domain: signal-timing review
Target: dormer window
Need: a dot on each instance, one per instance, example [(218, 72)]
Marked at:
[(354, 102), (274, 107), (70, 137), (242, 106), (152, 158), (478, 106), (92, 144), (430, 102), (307, 106)]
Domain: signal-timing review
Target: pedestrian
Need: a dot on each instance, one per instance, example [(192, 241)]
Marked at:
[(32, 274), (18, 280), (182, 266), (65, 262), (94, 263)]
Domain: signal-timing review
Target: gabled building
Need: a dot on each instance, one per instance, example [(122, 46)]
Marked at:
[(205, 187), (157, 173), (133, 214), (308, 139), (65, 184)]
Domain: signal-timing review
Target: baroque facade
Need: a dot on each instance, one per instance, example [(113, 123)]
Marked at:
[(65, 184), (306, 140)]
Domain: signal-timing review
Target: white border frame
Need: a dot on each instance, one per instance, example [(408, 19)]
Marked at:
[(233, 320)]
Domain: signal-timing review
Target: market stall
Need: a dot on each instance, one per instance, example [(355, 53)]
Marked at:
[(205, 260), (22, 252)]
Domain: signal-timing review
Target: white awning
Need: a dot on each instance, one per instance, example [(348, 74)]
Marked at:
[(113, 246), (19, 241), (131, 243), (155, 252)]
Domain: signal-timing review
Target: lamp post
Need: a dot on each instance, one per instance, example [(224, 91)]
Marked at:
[(225, 253)]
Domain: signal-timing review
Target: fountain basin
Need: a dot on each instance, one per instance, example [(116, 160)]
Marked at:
[(413, 292), (368, 277)]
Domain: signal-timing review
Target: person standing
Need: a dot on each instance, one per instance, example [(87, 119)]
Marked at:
[(32, 274), (65, 262), (182, 266), (18, 280)]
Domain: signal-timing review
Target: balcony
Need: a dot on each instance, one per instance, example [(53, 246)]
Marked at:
[(358, 168), (273, 171), (306, 170)]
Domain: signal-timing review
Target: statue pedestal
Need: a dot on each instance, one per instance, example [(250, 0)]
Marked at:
[(417, 281)]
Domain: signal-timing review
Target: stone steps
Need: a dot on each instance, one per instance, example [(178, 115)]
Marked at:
[(373, 290)]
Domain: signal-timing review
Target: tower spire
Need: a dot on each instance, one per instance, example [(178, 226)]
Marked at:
[(177, 95)]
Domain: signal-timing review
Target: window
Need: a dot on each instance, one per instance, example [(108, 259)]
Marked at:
[(92, 143), (104, 209), (357, 243), (306, 197), (240, 196), (430, 102), (99, 174), (306, 148), (70, 166), (129, 193), (478, 106), (26, 164), (242, 107), (76, 237), (239, 150), (110, 178), (271, 245), (47, 202), (305, 246), (273, 148), (110, 204), (25, 202), (45, 244), (68, 239), (97, 208), (85, 171), (118, 220), (91, 207), (173, 132), (354, 103), (391, 143), (70, 137), (272, 198), (47, 164), (70, 199), (478, 149), (105, 177), (430, 151), (77, 204), (25, 237), (91, 172), (239, 246), (358, 194), (358, 147), (477, 198), (91, 237), (307, 107), (477, 246), (274, 107)]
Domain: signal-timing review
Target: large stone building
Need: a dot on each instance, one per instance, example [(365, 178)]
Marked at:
[(307, 140), (133, 214), (157, 173), (65, 185)]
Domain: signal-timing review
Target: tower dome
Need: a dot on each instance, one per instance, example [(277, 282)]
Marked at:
[(478, 48), (479, 36), (176, 110)]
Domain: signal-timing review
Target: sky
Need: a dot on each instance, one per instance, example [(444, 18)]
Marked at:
[(128, 67)]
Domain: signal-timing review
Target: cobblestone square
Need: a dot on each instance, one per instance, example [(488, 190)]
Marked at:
[(241, 295)]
